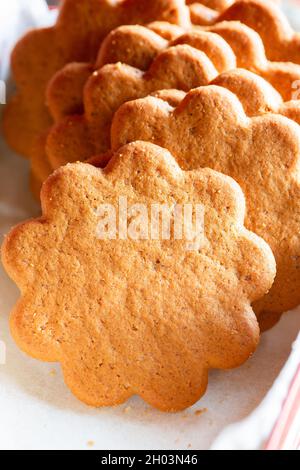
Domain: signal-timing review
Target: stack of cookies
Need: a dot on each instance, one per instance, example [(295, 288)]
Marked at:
[(136, 116)]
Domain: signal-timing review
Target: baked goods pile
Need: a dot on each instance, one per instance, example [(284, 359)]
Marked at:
[(165, 139)]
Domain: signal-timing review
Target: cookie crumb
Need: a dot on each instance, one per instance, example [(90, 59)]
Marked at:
[(127, 409), (90, 443), (52, 372)]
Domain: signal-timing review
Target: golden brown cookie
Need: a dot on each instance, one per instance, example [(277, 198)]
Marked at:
[(264, 99), (241, 82), (207, 11), (80, 137), (267, 19), (64, 92), (137, 46), (130, 315), (256, 95), (209, 128), (132, 45), (77, 35), (244, 84), (250, 54), (40, 164), (41, 167)]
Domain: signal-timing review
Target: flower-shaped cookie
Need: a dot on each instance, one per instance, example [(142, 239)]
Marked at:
[(82, 136), (256, 95), (141, 316), (209, 128), (77, 35), (132, 45), (207, 11), (266, 18), (250, 54), (40, 165)]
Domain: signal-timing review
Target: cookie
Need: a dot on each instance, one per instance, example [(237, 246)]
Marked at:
[(131, 315), (266, 18), (77, 35), (64, 92), (250, 54), (137, 46), (80, 137), (241, 82), (209, 128), (40, 164), (264, 98), (208, 11), (132, 45), (255, 94)]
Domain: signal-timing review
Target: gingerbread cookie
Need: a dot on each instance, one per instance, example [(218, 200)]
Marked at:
[(256, 95), (266, 18), (40, 164), (250, 54), (129, 314), (80, 137), (241, 82), (77, 35), (208, 11), (264, 99), (137, 46), (209, 128), (132, 45)]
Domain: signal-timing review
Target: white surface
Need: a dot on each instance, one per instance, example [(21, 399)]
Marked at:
[(254, 431), (38, 412)]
